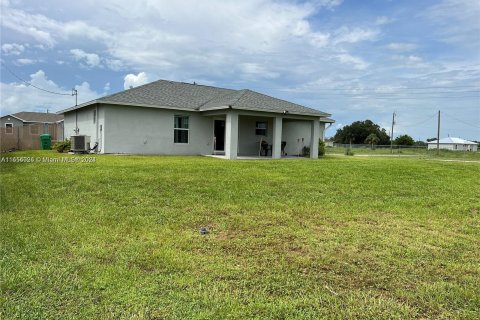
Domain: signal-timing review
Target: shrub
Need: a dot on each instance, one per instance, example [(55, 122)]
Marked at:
[(306, 151), (321, 148), (349, 152), (61, 146)]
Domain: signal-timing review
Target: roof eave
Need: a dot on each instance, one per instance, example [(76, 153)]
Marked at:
[(125, 104), (319, 114), (327, 120), (82, 105), (11, 115)]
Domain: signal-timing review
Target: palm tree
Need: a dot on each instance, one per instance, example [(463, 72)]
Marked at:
[(372, 139)]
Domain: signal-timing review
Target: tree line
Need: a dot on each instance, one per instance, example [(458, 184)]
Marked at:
[(368, 132)]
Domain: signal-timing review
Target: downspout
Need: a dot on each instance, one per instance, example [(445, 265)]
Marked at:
[(96, 124), (76, 122)]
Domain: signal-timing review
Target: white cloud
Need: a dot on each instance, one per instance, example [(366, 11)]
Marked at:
[(409, 60), (91, 59), (46, 31), (456, 21), (357, 62), (132, 81), (319, 39), (401, 46), (255, 70), (18, 97), (330, 3), (301, 28), (414, 59), (25, 61), (383, 20), (12, 49), (345, 34), (106, 88), (151, 35)]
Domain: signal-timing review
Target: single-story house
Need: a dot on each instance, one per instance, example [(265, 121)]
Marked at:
[(21, 130), (455, 144), (35, 123), (176, 118), (24, 118)]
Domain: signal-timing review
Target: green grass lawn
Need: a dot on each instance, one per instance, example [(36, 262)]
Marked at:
[(420, 152), (336, 238)]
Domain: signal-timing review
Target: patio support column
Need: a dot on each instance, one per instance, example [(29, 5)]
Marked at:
[(277, 138), (231, 135), (315, 136)]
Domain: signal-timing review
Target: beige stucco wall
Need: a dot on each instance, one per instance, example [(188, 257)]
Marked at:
[(85, 124), (138, 130), (297, 134), (142, 130), (248, 141)]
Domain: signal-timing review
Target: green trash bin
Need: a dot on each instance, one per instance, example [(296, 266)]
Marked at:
[(46, 141)]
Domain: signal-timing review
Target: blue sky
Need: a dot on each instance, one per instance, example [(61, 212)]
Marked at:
[(355, 59)]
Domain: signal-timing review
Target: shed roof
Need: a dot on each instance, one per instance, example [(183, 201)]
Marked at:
[(194, 97)]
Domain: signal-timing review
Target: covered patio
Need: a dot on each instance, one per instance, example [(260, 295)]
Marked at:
[(244, 134)]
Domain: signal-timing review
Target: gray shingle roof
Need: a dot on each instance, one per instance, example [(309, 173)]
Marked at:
[(165, 94), (38, 117)]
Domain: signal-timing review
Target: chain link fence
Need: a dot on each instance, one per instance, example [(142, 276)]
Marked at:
[(399, 150)]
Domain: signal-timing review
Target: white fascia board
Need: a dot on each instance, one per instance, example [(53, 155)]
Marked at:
[(10, 115)]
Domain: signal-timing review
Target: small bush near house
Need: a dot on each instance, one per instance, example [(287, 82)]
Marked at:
[(349, 152), (321, 148), (62, 146), (306, 151)]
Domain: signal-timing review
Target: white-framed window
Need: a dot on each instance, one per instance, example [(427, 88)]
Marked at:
[(94, 116), (9, 128), (261, 128), (180, 129)]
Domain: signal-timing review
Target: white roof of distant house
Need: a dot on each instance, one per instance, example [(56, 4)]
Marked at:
[(453, 140)]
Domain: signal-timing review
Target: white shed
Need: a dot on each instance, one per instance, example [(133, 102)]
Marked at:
[(455, 144)]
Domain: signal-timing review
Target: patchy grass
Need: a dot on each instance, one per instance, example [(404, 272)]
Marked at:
[(333, 238)]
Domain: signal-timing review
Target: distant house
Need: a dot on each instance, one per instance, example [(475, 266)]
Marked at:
[(455, 144), (21, 119), (175, 118), (20, 131)]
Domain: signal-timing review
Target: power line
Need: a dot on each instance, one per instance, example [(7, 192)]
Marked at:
[(436, 93), (462, 121), (367, 96), (32, 85), (410, 93), (404, 88), (421, 122)]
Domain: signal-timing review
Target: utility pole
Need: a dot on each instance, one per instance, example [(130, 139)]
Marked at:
[(391, 133), (438, 134)]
